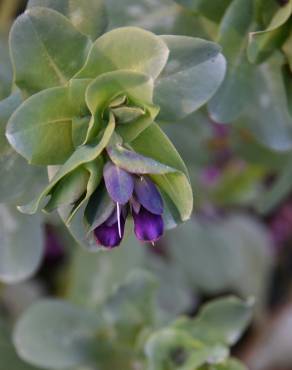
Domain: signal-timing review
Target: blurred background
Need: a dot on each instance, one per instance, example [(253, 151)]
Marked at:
[(238, 151)]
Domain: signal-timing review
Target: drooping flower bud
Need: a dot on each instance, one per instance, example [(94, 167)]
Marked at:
[(145, 203), (147, 194), (111, 232), (119, 183), (149, 227)]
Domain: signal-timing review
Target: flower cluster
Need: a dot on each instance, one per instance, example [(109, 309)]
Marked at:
[(137, 195)]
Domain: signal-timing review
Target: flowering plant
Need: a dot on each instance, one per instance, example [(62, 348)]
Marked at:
[(89, 113)]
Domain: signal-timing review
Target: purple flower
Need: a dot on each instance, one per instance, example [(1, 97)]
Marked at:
[(111, 232), (141, 196), (148, 226)]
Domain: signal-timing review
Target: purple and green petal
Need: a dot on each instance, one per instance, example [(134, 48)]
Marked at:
[(147, 194), (148, 227), (119, 183)]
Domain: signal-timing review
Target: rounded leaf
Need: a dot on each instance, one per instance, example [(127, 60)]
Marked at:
[(46, 50), (55, 334), (41, 128), (21, 245), (108, 86), (128, 48), (234, 93), (194, 72)]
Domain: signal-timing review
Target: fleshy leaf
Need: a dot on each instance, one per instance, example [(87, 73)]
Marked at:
[(174, 183), (70, 331), (176, 347), (127, 114), (131, 306), (162, 17), (171, 215), (82, 155), (195, 70), (128, 48), (94, 169), (129, 132), (105, 88), (88, 17), (7, 107), (222, 321), (32, 128), (77, 91), (263, 43), (119, 183), (268, 116), (234, 93), (82, 117), (44, 56), (99, 209), (136, 163), (15, 173), (21, 245), (69, 189)]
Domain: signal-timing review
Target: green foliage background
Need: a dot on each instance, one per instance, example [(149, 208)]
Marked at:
[(126, 309)]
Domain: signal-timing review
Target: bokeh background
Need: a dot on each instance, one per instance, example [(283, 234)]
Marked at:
[(238, 152)]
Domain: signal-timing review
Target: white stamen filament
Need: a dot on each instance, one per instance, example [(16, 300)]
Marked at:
[(119, 220)]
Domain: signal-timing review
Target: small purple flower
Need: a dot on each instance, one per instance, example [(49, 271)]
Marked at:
[(111, 232), (148, 226), (141, 196)]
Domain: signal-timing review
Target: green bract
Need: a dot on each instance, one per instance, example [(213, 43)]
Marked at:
[(87, 102)]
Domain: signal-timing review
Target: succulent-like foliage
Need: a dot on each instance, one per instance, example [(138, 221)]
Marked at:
[(90, 110)]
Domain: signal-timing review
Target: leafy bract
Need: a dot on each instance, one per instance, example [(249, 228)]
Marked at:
[(43, 55), (21, 245), (82, 155), (15, 172), (175, 183), (126, 48), (32, 128), (60, 334), (102, 92), (195, 70), (234, 93)]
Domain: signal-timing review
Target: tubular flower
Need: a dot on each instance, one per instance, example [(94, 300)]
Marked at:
[(136, 193)]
